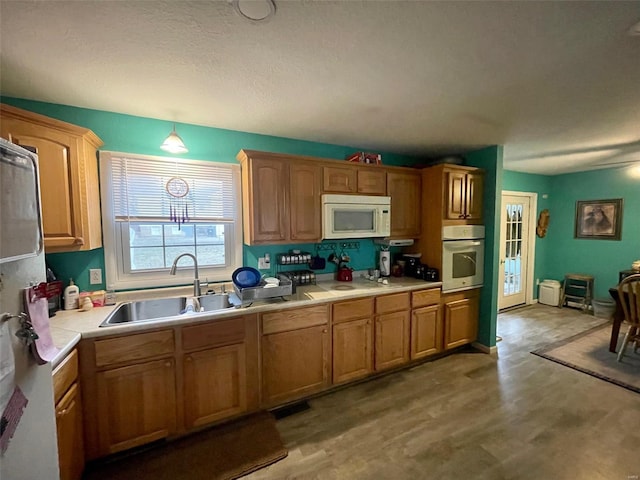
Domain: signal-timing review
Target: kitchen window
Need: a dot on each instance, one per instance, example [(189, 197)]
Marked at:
[(155, 208)]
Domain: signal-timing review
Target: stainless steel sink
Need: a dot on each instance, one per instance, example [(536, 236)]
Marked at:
[(162, 308)]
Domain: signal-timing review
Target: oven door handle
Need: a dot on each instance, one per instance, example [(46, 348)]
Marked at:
[(466, 245)]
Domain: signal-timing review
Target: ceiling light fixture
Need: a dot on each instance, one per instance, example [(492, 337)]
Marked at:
[(173, 143), (254, 10)]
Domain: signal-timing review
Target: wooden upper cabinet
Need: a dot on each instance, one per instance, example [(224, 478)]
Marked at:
[(264, 199), (463, 190), (404, 188), (339, 179), (372, 181), (353, 179), (68, 177), (280, 199), (305, 194)]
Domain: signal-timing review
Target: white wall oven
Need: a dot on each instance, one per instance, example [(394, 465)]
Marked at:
[(462, 257), (355, 216)]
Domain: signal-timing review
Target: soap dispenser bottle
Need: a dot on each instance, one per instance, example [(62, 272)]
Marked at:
[(71, 295)]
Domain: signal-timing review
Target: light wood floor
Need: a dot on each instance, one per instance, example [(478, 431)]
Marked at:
[(473, 416)]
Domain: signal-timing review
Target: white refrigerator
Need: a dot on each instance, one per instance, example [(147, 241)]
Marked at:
[(32, 452)]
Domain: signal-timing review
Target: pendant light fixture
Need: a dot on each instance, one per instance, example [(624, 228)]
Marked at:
[(173, 143)]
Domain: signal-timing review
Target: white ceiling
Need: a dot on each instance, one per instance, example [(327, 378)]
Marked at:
[(556, 83)]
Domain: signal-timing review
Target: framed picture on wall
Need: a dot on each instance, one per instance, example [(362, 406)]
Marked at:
[(599, 219)]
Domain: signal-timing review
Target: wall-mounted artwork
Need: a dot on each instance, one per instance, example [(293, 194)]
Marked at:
[(599, 219)]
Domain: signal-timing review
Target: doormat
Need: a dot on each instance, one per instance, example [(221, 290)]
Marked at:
[(588, 352), (220, 453)]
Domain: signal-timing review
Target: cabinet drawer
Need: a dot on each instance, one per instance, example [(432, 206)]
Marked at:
[(353, 309), (425, 297), (294, 319), (134, 347), (64, 375), (393, 303), (221, 332)]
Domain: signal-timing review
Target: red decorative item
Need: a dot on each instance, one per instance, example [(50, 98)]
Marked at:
[(365, 157)]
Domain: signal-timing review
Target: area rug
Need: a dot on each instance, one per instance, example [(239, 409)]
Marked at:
[(588, 352), (221, 453)]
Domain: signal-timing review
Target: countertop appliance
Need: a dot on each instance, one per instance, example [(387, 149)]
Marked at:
[(355, 216), (345, 274), (462, 257), (31, 453)]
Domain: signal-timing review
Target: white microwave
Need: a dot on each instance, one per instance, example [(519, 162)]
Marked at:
[(355, 216)]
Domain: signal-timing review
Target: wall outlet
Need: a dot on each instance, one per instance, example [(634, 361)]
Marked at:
[(95, 276), (264, 263)]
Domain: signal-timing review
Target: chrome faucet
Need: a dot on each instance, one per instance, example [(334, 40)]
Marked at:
[(196, 281)]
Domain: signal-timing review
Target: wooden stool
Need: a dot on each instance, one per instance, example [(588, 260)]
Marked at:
[(579, 288)]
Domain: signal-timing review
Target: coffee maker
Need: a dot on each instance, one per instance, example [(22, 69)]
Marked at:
[(385, 263)]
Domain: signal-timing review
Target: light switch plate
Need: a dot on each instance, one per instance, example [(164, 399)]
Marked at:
[(95, 276)]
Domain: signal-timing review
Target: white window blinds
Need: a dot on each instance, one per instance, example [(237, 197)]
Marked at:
[(139, 189)]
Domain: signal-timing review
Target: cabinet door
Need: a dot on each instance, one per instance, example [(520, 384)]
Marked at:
[(372, 182), (56, 154), (474, 190), (339, 179), (426, 332), (68, 177), (70, 441), (352, 344), (392, 340), (136, 405), (294, 363), (461, 322), (266, 215), (404, 190), (304, 202), (455, 195), (215, 384)]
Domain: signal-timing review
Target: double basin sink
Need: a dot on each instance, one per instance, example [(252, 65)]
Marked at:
[(165, 308)]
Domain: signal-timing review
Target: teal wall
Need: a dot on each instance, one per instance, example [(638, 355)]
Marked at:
[(601, 258), (540, 184), (560, 252), (491, 160), (126, 133)]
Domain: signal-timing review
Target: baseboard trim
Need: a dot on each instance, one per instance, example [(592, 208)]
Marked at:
[(484, 349)]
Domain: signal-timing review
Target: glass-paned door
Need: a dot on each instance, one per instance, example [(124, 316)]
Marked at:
[(514, 234)]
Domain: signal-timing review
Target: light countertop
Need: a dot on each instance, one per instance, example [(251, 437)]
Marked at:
[(69, 326)]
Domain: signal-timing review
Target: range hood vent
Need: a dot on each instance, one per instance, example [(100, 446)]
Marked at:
[(394, 242)]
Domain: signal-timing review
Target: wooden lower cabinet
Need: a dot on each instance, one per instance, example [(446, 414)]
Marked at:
[(215, 384), (69, 429), (391, 340), (136, 404), (461, 311), (295, 363), (352, 350), (426, 323)]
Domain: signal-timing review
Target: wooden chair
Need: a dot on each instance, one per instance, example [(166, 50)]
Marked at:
[(629, 295)]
